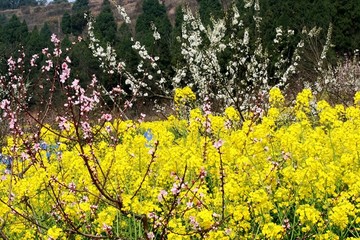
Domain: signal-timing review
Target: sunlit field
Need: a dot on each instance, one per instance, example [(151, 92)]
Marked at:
[(241, 138), (294, 174)]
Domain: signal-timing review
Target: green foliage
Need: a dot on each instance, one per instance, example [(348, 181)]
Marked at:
[(34, 43), (209, 9), (346, 26), (66, 43), (3, 20), (59, 1), (11, 4), (155, 13), (2, 26), (296, 15), (5, 4), (66, 27), (105, 25), (15, 31), (83, 65), (81, 5), (3, 45), (289, 14), (124, 48), (175, 44), (78, 21), (45, 34), (152, 11)]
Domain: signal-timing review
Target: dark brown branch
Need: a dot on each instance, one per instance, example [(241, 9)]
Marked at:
[(147, 170), (173, 205)]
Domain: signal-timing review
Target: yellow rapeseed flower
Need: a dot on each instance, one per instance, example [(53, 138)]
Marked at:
[(205, 219), (308, 215), (339, 215), (184, 96), (276, 98), (54, 232), (302, 105), (273, 231)]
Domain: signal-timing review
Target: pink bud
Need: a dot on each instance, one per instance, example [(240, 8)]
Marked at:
[(218, 144)]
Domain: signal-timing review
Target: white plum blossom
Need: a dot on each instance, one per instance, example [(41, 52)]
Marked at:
[(156, 34), (123, 13)]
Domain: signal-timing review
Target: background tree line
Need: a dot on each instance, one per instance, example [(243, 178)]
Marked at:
[(12, 4), (295, 15)]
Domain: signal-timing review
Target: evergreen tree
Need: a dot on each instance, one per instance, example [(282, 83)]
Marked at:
[(155, 13), (124, 47), (347, 26), (2, 28), (34, 43), (345, 16), (81, 5), (28, 3), (3, 20), (5, 4), (66, 26), (15, 31), (34, 46), (45, 35), (59, 1), (23, 32), (83, 64), (209, 9), (2, 44), (11, 4), (175, 44), (78, 20), (105, 25), (66, 42), (41, 2)]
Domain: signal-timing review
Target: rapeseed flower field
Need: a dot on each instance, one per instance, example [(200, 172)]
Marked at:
[(293, 174)]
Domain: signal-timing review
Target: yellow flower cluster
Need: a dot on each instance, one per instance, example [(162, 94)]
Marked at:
[(184, 96), (302, 105), (54, 232), (273, 231), (276, 98), (172, 179)]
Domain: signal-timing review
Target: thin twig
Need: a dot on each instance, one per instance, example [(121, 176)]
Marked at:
[(3, 236), (147, 170), (173, 205), (222, 179)]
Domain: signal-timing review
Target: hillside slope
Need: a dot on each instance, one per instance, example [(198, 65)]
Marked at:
[(52, 13)]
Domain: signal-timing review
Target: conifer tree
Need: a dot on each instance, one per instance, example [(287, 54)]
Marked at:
[(175, 44), (66, 26), (78, 21), (15, 31), (209, 9), (59, 1), (105, 25), (154, 14), (34, 43), (3, 20), (347, 26), (45, 34), (124, 47), (2, 43)]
